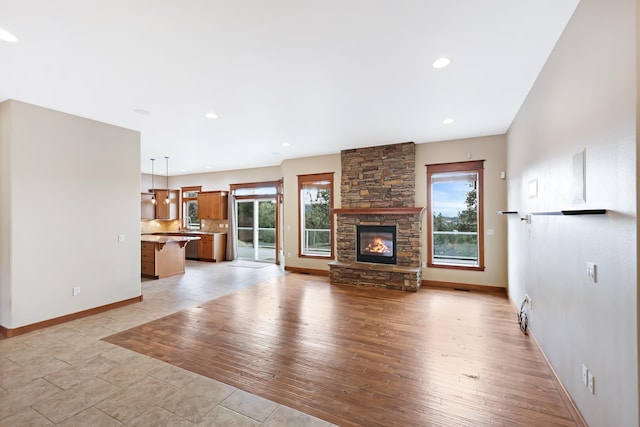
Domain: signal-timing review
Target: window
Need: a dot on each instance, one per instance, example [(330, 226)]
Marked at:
[(455, 229), (257, 191), (190, 207), (315, 224)]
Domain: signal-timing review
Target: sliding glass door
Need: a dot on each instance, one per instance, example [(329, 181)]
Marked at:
[(256, 230)]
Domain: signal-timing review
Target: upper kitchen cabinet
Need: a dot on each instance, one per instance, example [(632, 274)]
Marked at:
[(213, 204), (147, 210), (170, 210)]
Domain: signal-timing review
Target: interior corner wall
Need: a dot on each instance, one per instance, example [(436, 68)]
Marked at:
[(583, 100), (491, 149), (74, 188), (5, 218), (637, 187)]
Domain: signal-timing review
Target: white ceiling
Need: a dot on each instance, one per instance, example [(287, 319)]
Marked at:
[(321, 75)]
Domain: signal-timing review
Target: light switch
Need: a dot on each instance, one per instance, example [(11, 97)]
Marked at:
[(592, 272)]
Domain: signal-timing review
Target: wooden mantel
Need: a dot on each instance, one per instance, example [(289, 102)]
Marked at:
[(378, 211)]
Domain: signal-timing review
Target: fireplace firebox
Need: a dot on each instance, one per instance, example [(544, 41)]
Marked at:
[(376, 243)]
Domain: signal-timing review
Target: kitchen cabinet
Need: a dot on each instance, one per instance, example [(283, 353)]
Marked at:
[(167, 211), (212, 247), (213, 204), (147, 210), (163, 256), (148, 259)]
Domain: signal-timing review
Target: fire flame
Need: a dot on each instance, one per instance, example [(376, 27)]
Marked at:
[(377, 247)]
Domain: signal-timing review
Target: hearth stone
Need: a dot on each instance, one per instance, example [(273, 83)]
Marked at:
[(375, 275)]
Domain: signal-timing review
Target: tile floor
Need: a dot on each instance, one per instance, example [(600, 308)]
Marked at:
[(66, 376)]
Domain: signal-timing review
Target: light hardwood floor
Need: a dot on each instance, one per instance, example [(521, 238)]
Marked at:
[(357, 356), (281, 352)]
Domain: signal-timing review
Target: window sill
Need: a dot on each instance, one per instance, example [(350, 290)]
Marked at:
[(316, 256), (456, 267)]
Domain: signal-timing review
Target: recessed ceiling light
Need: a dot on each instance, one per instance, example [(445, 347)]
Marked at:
[(285, 144), (142, 111), (211, 116), (447, 121), (441, 62), (7, 36)]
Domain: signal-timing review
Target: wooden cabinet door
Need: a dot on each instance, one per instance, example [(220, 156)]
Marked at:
[(204, 205), (167, 211), (148, 259), (223, 205), (205, 248), (212, 204), (162, 209), (147, 210), (215, 205)]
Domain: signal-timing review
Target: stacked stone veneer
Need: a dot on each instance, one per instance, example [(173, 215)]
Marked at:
[(379, 177), (378, 188)]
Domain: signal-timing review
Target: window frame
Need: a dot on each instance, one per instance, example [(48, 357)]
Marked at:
[(278, 195), (304, 180), (183, 191), (476, 166)]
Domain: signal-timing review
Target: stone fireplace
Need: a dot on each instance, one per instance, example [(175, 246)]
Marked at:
[(378, 192)]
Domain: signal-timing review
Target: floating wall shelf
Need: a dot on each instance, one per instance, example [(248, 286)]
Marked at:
[(574, 212)]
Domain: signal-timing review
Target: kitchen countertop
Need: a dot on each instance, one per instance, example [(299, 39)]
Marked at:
[(166, 239), (183, 233)]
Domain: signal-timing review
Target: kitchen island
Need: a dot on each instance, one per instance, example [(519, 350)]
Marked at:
[(163, 256), (211, 247)]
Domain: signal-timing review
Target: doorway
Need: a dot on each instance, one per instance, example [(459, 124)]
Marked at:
[(256, 229)]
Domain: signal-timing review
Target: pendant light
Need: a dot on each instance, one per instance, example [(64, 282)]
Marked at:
[(153, 190), (167, 199)]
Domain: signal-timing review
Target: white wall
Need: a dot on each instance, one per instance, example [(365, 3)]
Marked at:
[(491, 149), (585, 98), (214, 180), (72, 188), (290, 170)]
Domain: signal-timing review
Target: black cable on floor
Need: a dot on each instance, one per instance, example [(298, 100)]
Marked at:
[(522, 318)]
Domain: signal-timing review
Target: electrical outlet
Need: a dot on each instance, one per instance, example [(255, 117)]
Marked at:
[(590, 382), (120, 238), (529, 301), (591, 272), (76, 291), (585, 374)]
